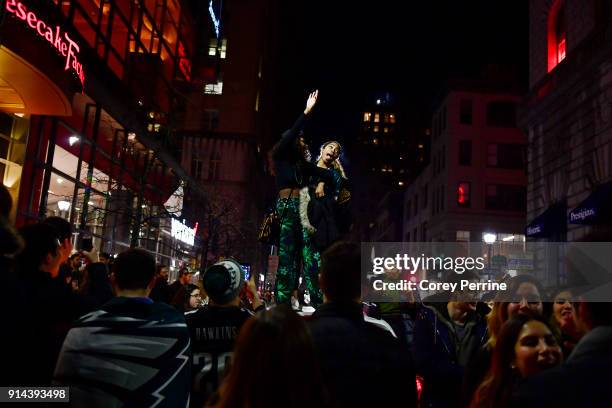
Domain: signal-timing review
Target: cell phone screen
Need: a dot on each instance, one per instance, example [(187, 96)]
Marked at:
[(86, 244)]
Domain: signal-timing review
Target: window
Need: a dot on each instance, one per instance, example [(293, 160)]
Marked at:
[(385, 130), (391, 118), (214, 45), (376, 117), (215, 166), (557, 34), (465, 111), (506, 156), (501, 114), (463, 236), (386, 118), (196, 168), (463, 194), (367, 116), (465, 152), (506, 197), (211, 119), (214, 89), (376, 128), (424, 195)]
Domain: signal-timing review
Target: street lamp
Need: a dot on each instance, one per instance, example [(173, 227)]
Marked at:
[(489, 238)]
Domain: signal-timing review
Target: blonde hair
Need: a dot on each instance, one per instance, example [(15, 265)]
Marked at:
[(336, 163)]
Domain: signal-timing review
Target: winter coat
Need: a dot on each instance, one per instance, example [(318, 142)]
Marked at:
[(440, 357), (362, 362)]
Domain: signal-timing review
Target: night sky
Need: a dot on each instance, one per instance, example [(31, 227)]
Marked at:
[(353, 51)]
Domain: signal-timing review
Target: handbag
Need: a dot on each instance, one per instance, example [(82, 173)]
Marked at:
[(269, 230)]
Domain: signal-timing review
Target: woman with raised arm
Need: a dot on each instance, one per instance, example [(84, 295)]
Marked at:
[(293, 170)]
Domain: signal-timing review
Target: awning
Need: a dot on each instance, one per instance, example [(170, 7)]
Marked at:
[(550, 222), (595, 209)]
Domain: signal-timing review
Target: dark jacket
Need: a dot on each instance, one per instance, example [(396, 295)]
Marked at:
[(160, 292), (97, 289), (584, 380), (129, 353), (362, 363), (291, 171), (440, 356)]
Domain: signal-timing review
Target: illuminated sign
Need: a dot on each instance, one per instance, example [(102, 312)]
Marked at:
[(182, 232), (58, 39), (184, 62), (215, 19)]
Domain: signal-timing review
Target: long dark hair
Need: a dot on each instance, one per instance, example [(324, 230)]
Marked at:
[(274, 342), (499, 313), (182, 297), (495, 389)]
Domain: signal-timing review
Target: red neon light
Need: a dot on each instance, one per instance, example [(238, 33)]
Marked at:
[(184, 62), (63, 44)]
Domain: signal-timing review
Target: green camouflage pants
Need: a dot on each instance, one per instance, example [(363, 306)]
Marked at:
[(295, 251)]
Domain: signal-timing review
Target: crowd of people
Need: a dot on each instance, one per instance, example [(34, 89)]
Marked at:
[(119, 334)]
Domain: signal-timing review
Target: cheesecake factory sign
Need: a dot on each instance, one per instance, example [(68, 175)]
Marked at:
[(57, 38)]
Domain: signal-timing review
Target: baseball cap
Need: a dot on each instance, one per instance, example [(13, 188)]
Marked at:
[(223, 281)]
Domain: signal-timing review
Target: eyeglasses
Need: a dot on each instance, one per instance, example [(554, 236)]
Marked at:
[(198, 295)]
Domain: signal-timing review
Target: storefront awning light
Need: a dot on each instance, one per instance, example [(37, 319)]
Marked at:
[(72, 140)]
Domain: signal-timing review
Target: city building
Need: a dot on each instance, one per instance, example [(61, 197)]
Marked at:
[(567, 115), (87, 94), (223, 133), (475, 182)]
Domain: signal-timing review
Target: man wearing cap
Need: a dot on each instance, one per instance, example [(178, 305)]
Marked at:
[(214, 329)]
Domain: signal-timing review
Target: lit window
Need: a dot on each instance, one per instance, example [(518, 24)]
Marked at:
[(386, 119), (367, 116), (214, 89), (376, 117), (376, 129), (392, 118), (375, 141), (213, 45), (385, 130), (557, 34), (463, 236), (463, 194)]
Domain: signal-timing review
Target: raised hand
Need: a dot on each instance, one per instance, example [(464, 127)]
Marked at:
[(310, 103)]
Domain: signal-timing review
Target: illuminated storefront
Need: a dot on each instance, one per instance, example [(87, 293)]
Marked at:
[(85, 96)]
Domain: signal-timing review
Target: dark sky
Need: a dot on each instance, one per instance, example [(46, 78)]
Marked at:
[(353, 50)]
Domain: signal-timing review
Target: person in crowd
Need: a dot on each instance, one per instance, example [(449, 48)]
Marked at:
[(563, 320), (11, 296), (363, 363), (96, 288), (324, 211), (49, 307), (447, 335), (293, 170), (64, 231), (585, 377), (105, 258), (213, 329), (184, 277), (277, 344), (131, 352), (523, 297), (160, 293), (75, 261), (526, 346), (187, 298)]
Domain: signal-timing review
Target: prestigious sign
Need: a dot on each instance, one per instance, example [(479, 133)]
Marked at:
[(182, 232), (57, 38)]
